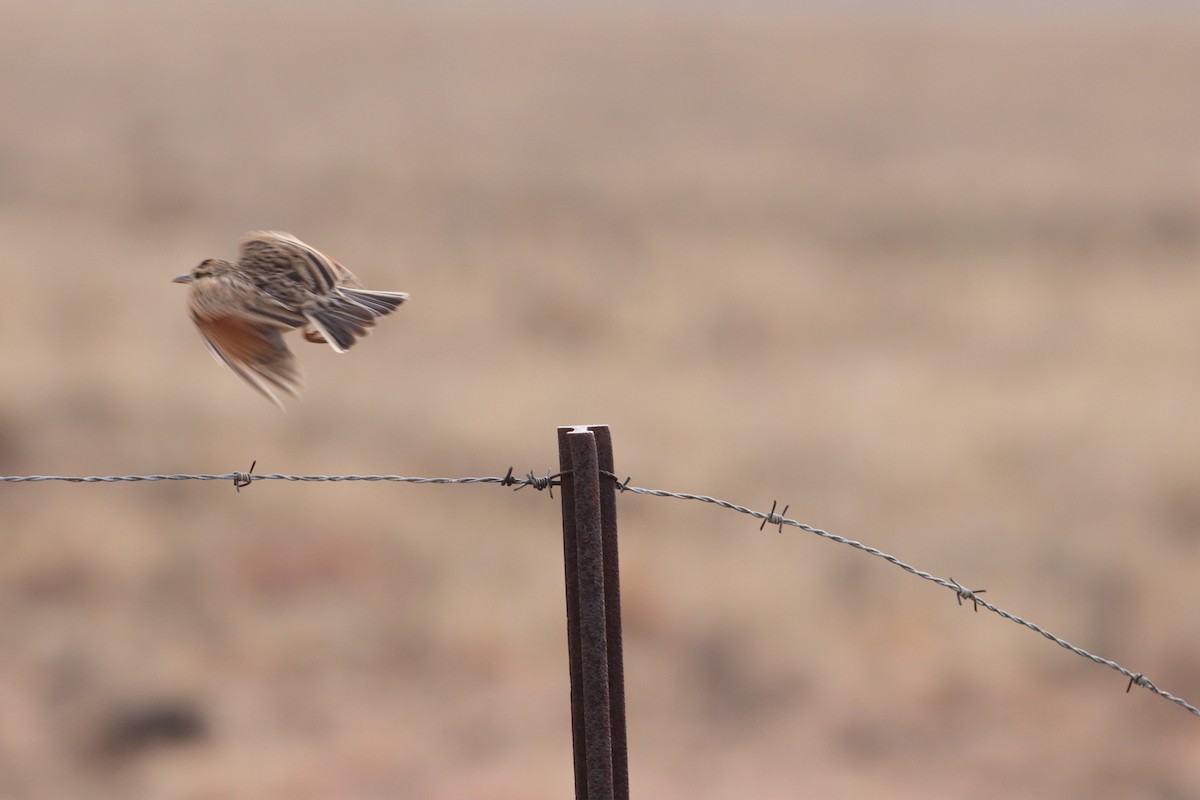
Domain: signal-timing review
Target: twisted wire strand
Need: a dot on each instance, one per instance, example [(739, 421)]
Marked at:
[(550, 480), (963, 593), (247, 476)]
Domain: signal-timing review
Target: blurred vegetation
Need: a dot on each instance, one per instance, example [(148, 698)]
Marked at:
[(927, 274)]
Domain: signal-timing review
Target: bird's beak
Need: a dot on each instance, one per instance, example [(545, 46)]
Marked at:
[(184, 278)]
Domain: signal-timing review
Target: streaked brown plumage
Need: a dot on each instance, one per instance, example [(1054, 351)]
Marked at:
[(279, 283)]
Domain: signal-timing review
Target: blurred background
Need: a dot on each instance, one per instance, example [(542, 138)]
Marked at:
[(928, 273)]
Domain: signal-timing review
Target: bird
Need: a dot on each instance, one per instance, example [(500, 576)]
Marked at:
[(278, 283)]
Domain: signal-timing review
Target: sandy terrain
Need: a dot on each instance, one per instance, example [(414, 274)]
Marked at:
[(930, 277)]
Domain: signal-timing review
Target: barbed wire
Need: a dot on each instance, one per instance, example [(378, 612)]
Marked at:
[(551, 479), (243, 479), (962, 592)]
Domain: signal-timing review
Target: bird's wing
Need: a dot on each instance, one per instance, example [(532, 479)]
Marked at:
[(245, 333), (285, 255), (332, 299)]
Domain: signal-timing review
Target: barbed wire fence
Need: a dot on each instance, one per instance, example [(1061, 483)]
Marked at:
[(548, 481)]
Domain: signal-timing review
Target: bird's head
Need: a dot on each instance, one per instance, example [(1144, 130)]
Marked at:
[(208, 268)]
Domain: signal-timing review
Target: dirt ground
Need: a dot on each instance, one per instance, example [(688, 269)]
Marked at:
[(929, 275)]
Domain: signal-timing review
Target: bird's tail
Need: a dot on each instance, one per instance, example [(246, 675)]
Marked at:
[(347, 315)]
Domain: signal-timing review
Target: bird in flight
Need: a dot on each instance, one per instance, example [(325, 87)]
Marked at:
[(242, 308)]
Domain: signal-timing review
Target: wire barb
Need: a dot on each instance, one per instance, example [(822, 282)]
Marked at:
[(620, 485), (967, 594), (1142, 681), (773, 518), (244, 479), (547, 482)]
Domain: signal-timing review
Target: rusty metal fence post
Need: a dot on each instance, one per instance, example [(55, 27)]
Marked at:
[(593, 613)]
